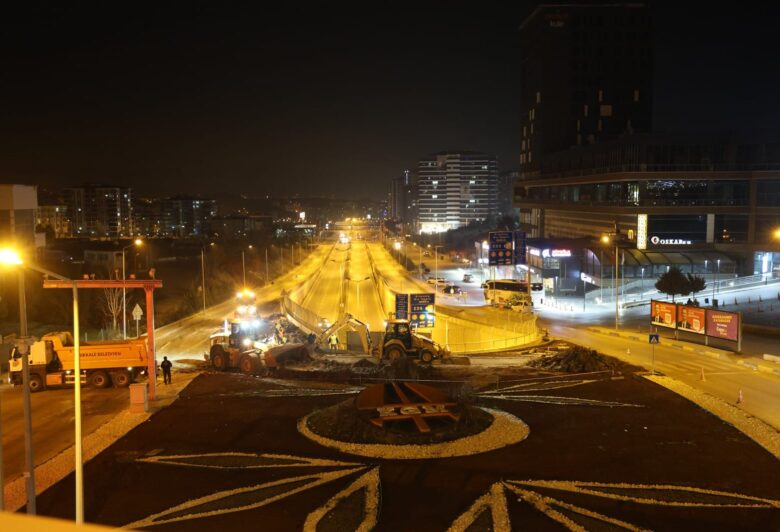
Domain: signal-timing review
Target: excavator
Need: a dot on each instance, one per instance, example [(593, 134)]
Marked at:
[(398, 340)]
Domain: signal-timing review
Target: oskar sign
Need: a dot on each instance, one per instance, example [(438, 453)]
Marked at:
[(658, 241), (387, 404)]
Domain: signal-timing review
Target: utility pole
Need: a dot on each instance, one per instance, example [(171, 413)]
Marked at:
[(203, 278)]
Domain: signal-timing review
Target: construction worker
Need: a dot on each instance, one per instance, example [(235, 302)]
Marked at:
[(333, 341)]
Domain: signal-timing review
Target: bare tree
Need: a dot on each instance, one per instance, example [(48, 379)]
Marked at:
[(112, 305)]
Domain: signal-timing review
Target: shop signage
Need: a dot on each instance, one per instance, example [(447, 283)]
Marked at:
[(641, 231), (657, 241)]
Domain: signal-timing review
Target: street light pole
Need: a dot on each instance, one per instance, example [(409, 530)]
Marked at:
[(26, 401), (203, 277), (243, 267), (136, 242), (266, 265), (617, 279)]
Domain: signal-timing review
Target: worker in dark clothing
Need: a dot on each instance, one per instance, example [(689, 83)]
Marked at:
[(166, 367)]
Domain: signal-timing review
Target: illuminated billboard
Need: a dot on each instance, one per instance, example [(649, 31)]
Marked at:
[(663, 314), (691, 319)]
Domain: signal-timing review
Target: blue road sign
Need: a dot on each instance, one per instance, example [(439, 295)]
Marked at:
[(421, 310), (501, 252), (402, 306), (653, 338), (519, 245)]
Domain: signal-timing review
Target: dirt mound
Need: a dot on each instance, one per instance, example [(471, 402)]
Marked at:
[(364, 363), (578, 359)]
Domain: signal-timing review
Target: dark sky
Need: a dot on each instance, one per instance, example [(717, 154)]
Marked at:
[(208, 98)]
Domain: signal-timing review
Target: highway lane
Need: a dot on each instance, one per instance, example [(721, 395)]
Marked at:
[(324, 297), (362, 298), (185, 339), (723, 379)]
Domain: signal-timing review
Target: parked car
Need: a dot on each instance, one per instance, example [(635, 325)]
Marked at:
[(426, 253), (467, 278), (452, 290)]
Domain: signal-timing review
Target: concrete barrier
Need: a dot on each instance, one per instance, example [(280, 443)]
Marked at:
[(771, 358)]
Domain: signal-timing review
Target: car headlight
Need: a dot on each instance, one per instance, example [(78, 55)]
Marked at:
[(247, 342)]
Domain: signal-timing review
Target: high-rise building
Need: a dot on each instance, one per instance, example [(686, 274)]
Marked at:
[(100, 211), (402, 201), (53, 218), (455, 189), (187, 216), (587, 77), (18, 204)]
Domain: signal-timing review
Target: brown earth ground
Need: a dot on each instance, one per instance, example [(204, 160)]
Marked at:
[(666, 440)]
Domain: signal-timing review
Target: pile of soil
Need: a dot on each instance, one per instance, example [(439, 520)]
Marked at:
[(343, 422), (578, 359)]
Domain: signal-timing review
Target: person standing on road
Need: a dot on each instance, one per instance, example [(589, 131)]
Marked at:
[(166, 368), (333, 341)]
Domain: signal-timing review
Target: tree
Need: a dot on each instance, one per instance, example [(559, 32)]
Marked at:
[(112, 305), (673, 283), (696, 283)]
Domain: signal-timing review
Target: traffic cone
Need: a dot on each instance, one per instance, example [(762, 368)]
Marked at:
[(739, 397), (702, 378)]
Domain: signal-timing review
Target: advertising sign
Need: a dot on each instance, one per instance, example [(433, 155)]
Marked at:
[(691, 319), (723, 325), (641, 231), (421, 311), (501, 252), (402, 306), (663, 314), (519, 246)]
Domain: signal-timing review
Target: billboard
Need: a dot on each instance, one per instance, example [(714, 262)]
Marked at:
[(421, 312), (402, 306), (663, 314), (501, 252), (691, 319), (723, 325)]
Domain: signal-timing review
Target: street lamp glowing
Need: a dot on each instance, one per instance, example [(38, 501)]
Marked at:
[(605, 239), (138, 242), (776, 234), (9, 257), (397, 245)]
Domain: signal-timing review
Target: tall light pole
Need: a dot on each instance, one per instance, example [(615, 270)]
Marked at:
[(243, 268), (137, 242), (203, 274), (605, 239), (267, 278), (9, 257)]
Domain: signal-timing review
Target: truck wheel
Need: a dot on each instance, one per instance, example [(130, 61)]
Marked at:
[(121, 378), (247, 365), (393, 353), (426, 356), (99, 379), (36, 383), (218, 358)]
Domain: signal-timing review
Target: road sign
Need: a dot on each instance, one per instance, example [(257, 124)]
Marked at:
[(137, 312), (402, 306), (501, 248), (519, 247), (653, 338), (421, 311)]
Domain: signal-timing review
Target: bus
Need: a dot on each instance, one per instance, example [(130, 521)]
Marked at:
[(498, 292)]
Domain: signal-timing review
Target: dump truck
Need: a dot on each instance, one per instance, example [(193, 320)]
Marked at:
[(398, 340), (102, 363)]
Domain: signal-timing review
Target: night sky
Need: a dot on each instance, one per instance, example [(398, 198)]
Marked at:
[(207, 98)]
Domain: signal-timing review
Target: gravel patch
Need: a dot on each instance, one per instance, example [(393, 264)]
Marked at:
[(505, 430), (763, 434)]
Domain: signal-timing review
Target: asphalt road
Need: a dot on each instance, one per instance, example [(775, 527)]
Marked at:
[(53, 425), (723, 379)]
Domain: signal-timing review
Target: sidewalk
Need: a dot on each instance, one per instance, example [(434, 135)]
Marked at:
[(63, 464)]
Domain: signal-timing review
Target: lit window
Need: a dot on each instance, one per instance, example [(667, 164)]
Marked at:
[(434, 196), (472, 182)]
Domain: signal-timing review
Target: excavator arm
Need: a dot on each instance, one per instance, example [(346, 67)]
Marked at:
[(348, 321)]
